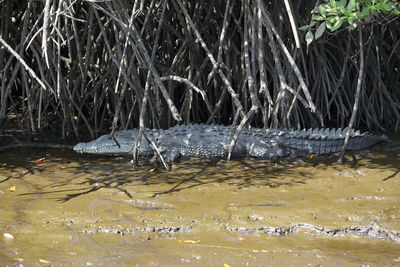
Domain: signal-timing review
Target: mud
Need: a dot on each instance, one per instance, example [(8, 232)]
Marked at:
[(62, 209)]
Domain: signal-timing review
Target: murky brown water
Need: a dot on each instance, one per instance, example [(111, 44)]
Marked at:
[(58, 208)]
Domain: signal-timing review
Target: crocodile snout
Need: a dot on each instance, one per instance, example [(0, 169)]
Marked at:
[(80, 147)]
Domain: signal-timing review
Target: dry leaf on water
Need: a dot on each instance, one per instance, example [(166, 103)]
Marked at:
[(241, 238), (8, 236), (40, 160), (189, 241)]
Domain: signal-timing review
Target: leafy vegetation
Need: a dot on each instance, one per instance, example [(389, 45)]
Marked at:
[(332, 15)]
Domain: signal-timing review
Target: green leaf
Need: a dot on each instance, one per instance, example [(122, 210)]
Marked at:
[(337, 24), (304, 28), (309, 37), (366, 12), (322, 10), (328, 25), (320, 30), (331, 19), (387, 7), (333, 3), (340, 5), (351, 6), (312, 23), (331, 10), (316, 17)]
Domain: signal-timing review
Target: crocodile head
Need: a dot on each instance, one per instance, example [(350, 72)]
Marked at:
[(107, 145)]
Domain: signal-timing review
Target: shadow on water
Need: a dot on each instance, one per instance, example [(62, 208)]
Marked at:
[(87, 174)]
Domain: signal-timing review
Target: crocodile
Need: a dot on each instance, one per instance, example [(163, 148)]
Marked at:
[(212, 141)]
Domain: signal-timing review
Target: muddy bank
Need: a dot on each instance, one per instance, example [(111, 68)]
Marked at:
[(58, 208)]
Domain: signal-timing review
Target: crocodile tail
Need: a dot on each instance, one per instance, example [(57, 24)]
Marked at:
[(325, 141)]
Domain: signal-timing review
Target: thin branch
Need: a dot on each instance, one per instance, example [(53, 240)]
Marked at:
[(357, 97)]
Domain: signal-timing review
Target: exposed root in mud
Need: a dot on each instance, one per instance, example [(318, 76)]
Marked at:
[(373, 231), (139, 229), (275, 231), (365, 231)]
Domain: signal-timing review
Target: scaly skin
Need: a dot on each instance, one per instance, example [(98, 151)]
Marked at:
[(211, 141)]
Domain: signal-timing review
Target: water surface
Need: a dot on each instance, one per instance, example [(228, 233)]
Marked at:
[(58, 208)]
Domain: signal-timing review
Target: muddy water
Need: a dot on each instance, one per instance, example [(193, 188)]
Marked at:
[(62, 209)]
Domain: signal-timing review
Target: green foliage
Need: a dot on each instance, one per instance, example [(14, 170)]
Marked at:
[(333, 15)]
